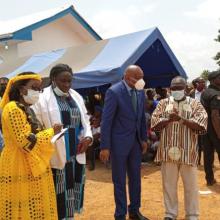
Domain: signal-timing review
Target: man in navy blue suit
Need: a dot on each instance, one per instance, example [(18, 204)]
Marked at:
[(123, 134)]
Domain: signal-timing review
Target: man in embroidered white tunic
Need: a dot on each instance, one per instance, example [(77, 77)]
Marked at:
[(179, 119)]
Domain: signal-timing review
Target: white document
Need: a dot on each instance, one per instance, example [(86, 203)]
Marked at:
[(58, 136), (81, 158), (206, 192)]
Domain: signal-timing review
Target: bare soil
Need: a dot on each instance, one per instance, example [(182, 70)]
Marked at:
[(99, 199)]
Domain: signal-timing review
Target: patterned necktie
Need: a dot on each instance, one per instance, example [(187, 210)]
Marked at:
[(134, 99)]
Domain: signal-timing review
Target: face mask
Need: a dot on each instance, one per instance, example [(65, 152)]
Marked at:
[(178, 95), (139, 85), (32, 96), (59, 92)]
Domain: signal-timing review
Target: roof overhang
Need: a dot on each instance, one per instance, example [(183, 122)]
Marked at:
[(25, 33)]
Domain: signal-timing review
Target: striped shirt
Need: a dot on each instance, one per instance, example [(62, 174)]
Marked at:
[(177, 135)]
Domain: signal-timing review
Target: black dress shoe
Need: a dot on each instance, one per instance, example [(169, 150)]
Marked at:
[(137, 216), (91, 167), (211, 182), (120, 218)]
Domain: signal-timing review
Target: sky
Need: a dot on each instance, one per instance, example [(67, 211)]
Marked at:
[(189, 26)]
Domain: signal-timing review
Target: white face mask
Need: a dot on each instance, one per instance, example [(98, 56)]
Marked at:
[(32, 96), (139, 85), (59, 92), (178, 95)]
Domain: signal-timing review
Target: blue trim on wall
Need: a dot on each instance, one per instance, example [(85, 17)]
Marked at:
[(22, 35), (26, 33)]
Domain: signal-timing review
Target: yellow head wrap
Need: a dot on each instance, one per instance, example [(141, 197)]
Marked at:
[(5, 98)]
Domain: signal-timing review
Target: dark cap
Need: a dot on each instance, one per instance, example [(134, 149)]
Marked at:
[(213, 75)]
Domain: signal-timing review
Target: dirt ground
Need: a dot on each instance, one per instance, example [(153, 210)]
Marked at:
[(99, 200)]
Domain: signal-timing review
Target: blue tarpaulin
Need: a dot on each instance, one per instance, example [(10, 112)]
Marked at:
[(103, 62), (38, 62), (148, 49)]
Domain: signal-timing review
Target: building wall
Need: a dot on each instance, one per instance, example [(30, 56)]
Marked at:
[(62, 33), (9, 54)]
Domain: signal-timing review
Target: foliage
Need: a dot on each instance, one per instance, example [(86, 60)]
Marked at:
[(217, 56), (205, 74)]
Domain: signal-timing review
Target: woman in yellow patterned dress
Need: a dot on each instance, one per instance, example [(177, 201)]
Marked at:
[(26, 184)]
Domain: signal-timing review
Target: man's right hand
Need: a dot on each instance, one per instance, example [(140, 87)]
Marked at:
[(173, 116), (57, 128), (104, 155)]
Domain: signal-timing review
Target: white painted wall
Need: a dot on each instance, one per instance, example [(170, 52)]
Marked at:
[(62, 33), (11, 53)]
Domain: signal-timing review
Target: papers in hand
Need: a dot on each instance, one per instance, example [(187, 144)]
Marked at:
[(58, 136), (81, 158), (206, 192)]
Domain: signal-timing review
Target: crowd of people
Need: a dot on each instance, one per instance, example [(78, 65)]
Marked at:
[(42, 178)]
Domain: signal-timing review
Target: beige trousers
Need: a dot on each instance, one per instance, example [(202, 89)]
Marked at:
[(170, 174)]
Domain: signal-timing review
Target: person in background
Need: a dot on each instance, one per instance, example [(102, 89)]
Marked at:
[(124, 135), (97, 112), (189, 89), (200, 86), (1, 142), (194, 84), (60, 103), (179, 119), (161, 93), (150, 97), (3, 85), (27, 189), (211, 101), (90, 110), (150, 94), (148, 111), (152, 142), (94, 148)]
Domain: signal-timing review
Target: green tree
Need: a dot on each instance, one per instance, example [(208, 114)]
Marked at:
[(205, 74), (217, 56)]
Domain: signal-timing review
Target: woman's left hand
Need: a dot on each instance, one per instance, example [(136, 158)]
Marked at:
[(83, 145)]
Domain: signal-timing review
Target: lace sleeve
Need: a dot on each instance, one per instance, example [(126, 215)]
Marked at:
[(37, 147)]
